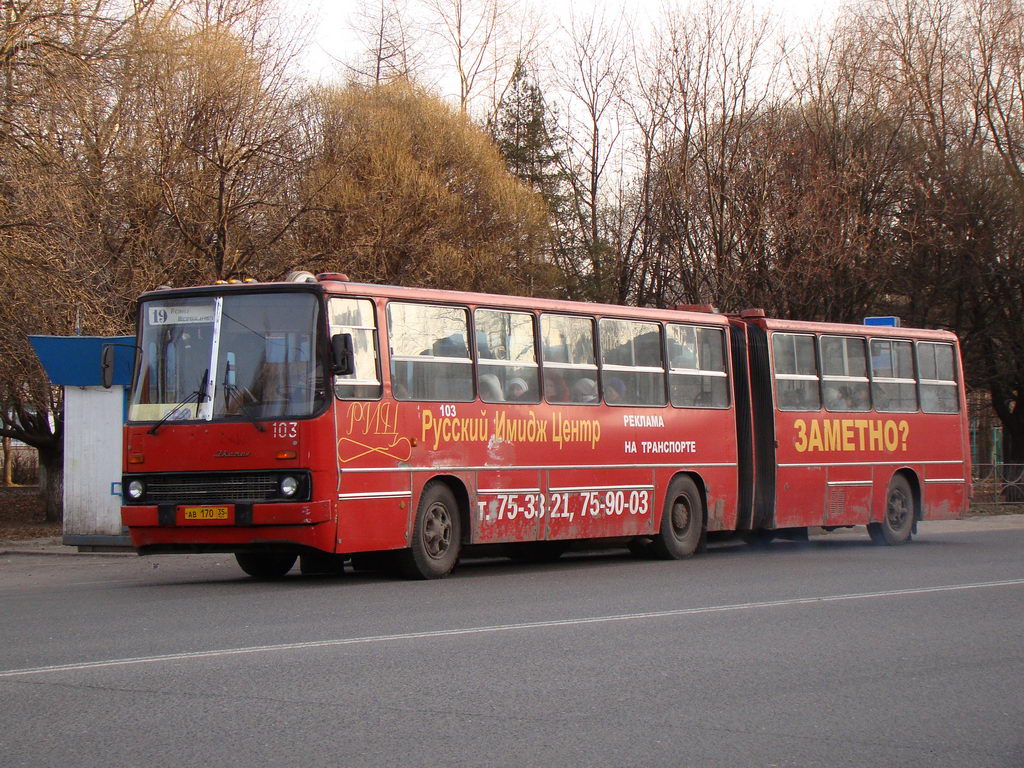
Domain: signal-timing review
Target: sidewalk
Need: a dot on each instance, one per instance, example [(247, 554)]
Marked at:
[(50, 546), (53, 545)]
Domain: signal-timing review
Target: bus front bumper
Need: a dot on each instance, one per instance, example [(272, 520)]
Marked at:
[(229, 527)]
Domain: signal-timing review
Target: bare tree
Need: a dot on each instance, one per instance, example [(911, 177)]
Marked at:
[(483, 46), (138, 146), (592, 73), (717, 87), (387, 34), (58, 120), (223, 104), (952, 69), (995, 78), (995, 88)]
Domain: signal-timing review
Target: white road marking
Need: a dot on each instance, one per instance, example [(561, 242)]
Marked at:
[(9, 673)]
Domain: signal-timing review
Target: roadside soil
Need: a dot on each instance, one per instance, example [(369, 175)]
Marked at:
[(21, 515)]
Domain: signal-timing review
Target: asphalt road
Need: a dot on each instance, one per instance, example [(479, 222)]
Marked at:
[(833, 653)]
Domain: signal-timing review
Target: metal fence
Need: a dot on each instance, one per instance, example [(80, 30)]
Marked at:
[(998, 484)]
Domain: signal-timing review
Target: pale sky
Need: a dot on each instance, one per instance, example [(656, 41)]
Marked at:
[(331, 34)]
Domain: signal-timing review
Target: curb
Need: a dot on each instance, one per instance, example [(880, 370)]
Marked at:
[(54, 547), (58, 553)]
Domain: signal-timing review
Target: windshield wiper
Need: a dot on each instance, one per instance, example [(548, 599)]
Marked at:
[(199, 396)]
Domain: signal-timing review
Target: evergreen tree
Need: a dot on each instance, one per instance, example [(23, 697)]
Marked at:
[(524, 128)]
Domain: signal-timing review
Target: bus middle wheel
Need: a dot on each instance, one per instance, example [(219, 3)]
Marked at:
[(898, 521), (682, 521), (436, 535)]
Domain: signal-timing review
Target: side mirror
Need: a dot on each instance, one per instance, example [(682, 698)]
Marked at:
[(107, 366), (344, 362)]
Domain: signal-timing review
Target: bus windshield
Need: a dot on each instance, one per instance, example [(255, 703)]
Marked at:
[(235, 357)]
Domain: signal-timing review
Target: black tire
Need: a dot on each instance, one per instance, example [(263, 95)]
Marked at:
[(536, 551), (682, 521), (436, 535), (265, 565), (898, 522)]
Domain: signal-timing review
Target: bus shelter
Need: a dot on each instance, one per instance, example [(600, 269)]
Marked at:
[(93, 421)]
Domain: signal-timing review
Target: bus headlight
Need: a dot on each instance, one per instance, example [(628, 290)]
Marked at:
[(289, 486), (135, 490)]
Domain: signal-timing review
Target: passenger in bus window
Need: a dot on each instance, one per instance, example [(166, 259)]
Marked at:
[(847, 401), (847, 397), (585, 391), (518, 390), (490, 388), (614, 390), (555, 387)]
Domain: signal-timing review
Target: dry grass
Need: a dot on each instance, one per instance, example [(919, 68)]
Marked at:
[(986, 509)]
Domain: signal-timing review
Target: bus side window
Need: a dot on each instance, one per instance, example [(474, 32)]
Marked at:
[(632, 370), (796, 372), (356, 317), (937, 373), (844, 374), (570, 370), (893, 386), (697, 375), (429, 355), (506, 357)]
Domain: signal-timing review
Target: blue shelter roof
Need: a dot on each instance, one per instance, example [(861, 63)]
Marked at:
[(74, 361)]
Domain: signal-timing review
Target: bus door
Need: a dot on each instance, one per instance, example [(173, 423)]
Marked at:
[(801, 475), (847, 429), (373, 443)]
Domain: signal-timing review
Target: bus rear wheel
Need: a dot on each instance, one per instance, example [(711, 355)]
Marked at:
[(898, 521), (265, 565), (436, 535), (682, 522)]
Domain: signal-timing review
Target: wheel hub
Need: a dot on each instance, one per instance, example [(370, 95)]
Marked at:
[(680, 516), (899, 510), (437, 531)]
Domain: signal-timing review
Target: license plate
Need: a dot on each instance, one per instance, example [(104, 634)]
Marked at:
[(206, 513)]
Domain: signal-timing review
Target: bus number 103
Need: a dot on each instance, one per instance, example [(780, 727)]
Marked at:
[(563, 506)]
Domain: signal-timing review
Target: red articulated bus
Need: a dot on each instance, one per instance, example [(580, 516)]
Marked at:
[(332, 421)]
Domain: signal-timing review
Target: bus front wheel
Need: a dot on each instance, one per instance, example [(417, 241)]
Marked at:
[(265, 565), (682, 521), (898, 521), (436, 535)]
